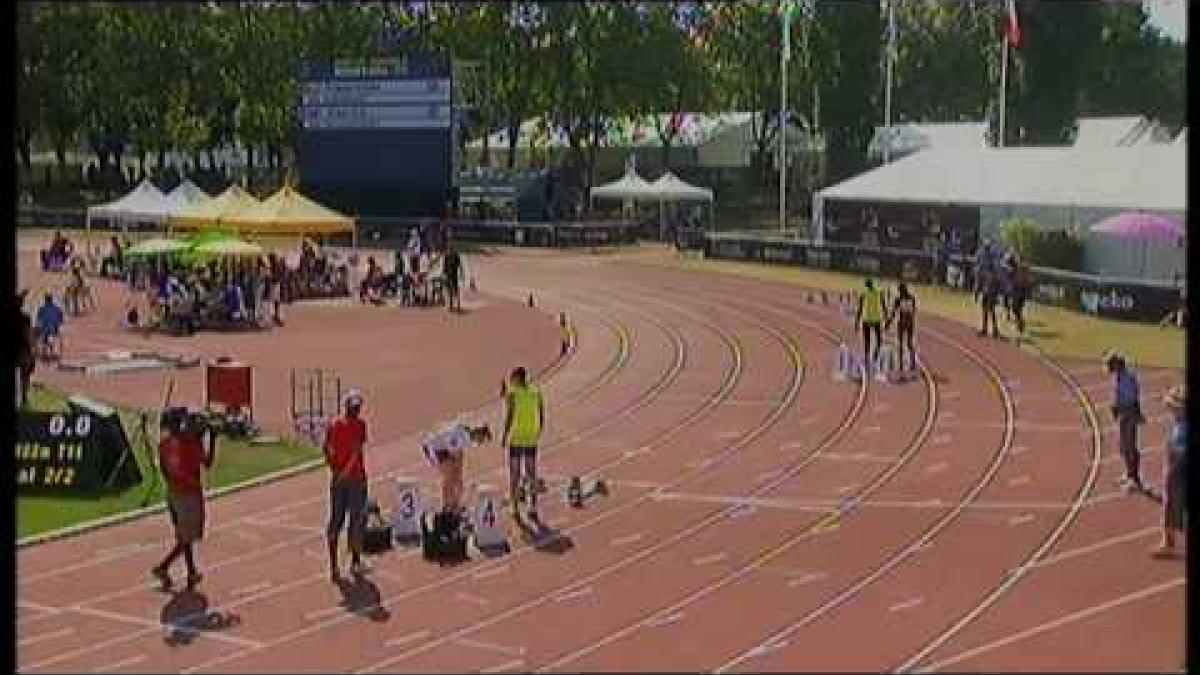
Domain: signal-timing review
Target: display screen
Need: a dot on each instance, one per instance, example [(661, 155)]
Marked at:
[(377, 135), (77, 451)]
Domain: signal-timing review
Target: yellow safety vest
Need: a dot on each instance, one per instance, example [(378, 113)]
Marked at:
[(872, 306), (526, 421)]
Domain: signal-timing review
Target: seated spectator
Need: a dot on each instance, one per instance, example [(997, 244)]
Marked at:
[(235, 302), (50, 318), (58, 254), (371, 285)]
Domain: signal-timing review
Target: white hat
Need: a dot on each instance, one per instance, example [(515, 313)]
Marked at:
[(353, 399)]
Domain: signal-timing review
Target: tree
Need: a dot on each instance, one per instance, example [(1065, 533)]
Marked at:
[(63, 72), (1059, 40), (847, 52)]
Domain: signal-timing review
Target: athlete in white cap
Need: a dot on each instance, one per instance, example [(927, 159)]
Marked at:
[(444, 450)]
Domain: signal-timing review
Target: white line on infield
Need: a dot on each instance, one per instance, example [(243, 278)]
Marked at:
[(655, 622), (491, 647), (405, 639), (507, 665), (124, 663), (907, 604), (32, 640), (710, 559)]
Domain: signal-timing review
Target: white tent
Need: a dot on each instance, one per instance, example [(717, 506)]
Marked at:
[(145, 203), (184, 196), (904, 139), (1072, 185), (630, 187), (669, 188), (1152, 177)]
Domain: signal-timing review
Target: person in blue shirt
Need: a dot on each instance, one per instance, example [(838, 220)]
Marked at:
[(49, 323), (1174, 474), (1127, 411)]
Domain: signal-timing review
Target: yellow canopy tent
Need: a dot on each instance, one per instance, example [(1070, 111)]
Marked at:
[(288, 213), (207, 215)]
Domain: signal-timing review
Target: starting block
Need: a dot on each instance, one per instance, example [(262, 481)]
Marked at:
[(406, 522), (578, 490), (485, 520), (848, 366)]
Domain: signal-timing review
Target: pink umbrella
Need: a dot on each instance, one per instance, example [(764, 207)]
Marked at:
[(1140, 226)]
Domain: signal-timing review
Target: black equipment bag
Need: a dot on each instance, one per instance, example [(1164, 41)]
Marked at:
[(377, 537), (444, 539)]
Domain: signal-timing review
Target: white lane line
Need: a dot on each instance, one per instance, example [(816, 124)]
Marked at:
[(38, 607), (252, 588), (45, 636), (657, 621), (726, 435), (857, 457), (873, 429), (488, 646), (318, 614), (937, 468), (124, 663), (907, 604), (507, 665), (1024, 479), (1020, 520), (627, 539), (1055, 623), (763, 650), (484, 574), (846, 488), (246, 535), (152, 623), (710, 559), (744, 510), (405, 639), (473, 599), (942, 439), (586, 590), (1096, 546), (767, 475), (807, 579)]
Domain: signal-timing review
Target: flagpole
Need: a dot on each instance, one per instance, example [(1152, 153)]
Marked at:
[(1003, 87), (784, 55), (887, 92)]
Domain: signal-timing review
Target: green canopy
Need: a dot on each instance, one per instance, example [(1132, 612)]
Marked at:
[(155, 247), (228, 247)]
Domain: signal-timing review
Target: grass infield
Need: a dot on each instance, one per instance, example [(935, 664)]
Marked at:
[(237, 461)]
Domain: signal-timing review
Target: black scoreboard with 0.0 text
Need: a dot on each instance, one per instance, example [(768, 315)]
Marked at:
[(77, 451)]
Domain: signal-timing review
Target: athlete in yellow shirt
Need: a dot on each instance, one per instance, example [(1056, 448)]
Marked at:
[(870, 317), (524, 417)]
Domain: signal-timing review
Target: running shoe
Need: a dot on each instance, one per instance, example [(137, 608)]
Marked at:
[(163, 577)]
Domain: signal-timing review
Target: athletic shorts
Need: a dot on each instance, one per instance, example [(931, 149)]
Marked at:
[(347, 501), (187, 515), (519, 451)]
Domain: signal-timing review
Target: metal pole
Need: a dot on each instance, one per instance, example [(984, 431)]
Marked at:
[(887, 92), (1003, 88), (784, 55)]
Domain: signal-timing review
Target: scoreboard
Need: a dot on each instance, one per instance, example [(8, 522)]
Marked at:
[(73, 452), (377, 135)]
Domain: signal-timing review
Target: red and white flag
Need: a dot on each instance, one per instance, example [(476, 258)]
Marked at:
[(1012, 27)]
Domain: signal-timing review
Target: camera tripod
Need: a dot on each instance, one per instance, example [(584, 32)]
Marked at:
[(144, 449)]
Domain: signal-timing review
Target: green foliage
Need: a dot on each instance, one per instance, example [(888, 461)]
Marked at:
[(1020, 235), (196, 76)]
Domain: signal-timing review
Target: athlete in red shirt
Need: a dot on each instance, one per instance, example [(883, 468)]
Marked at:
[(344, 443), (181, 456)]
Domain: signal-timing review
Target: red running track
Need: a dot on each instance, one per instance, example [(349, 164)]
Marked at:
[(763, 518)]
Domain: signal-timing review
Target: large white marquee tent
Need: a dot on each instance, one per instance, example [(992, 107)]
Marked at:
[(1058, 187)]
